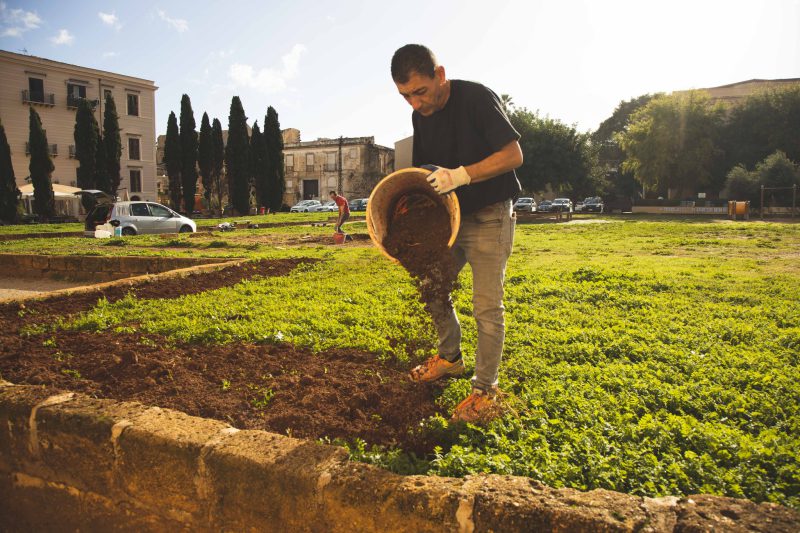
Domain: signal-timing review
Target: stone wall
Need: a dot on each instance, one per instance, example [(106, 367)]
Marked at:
[(93, 268), (70, 462)]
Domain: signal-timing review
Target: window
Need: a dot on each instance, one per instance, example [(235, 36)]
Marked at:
[(133, 149), (36, 89), (159, 210), (353, 153), (289, 161), (136, 181), (133, 105), (139, 210), (309, 161), (330, 161), (74, 93)]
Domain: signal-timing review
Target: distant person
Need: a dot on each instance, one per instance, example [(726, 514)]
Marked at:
[(460, 127), (344, 212)]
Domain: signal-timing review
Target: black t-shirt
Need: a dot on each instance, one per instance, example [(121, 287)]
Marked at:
[(471, 127)]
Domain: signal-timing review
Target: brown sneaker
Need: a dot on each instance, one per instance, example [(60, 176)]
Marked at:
[(436, 368), (480, 406)]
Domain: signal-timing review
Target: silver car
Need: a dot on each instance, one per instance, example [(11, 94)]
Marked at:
[(135, 218), (304, 206)]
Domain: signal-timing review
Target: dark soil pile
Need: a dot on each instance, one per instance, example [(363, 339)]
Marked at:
[(417, 237), (342, 393)]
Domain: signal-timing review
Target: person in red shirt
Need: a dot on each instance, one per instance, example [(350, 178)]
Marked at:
[(344, 210)]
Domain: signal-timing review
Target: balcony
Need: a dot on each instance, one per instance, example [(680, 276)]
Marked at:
[(331, 167), (72, 101), (36, 97), (52, 149), (72, 151)]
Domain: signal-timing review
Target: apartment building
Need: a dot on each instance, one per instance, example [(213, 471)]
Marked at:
[(352, 165), (53, 89)]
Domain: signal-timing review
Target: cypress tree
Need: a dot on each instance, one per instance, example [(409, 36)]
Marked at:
[(237, 158), (112, 145), (172, 160), (188, 137), (274, 142), (86, 146), (205, 157), (259, 158), (41, 168), (218, 171), (101, 179), (9, 193)]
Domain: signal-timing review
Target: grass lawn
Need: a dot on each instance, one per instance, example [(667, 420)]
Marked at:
[(649, 356)]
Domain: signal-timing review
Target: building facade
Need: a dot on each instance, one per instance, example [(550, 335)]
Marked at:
[(350, 165), (53, 89)]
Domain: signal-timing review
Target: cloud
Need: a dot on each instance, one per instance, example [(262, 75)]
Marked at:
[(181, 25), (15, 22), (268, 80), (63, 37), (110, 19)]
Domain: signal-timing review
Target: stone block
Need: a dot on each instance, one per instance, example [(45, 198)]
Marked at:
[(158, 460), (362, 497), (16, 405), (267, 482), (77, 441)]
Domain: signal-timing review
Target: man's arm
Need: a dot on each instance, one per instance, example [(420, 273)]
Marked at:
[(507, 158)]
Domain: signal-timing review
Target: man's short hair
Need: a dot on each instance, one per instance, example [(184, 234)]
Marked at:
[(412, 58), (332, 192)]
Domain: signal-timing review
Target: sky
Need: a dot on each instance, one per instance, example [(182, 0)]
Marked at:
[(324, 66)]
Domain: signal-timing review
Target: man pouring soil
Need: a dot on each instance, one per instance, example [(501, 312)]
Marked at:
[(461, 128)]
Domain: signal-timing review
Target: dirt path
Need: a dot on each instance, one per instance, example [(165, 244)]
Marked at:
[(342, 393), (23, 288)]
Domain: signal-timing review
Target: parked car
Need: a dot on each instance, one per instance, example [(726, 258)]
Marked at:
[(544, 206), (562, 204), (134, 218), (359, 204), (593, 205), (579, 206), (328, 206), (525, 204), (304, 206)]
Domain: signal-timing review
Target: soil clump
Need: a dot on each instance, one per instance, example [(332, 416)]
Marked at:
[(275, 387), (417, 237)]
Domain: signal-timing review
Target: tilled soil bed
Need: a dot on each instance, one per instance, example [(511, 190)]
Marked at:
[(343, 393)]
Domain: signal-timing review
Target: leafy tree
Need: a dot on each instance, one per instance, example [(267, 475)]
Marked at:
[(555, 155), (41, 168), (86, 141), (276, 184), (188, 138), (9, 193), (620, 183), (776, 172), (112, 145), (259, 159), (101, 178), (672, 142), (218, 170), (507, 103), (237, 158), (172, 160), (765, 122)]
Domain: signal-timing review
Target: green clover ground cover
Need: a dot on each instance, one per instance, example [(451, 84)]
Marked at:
[(649, 357)]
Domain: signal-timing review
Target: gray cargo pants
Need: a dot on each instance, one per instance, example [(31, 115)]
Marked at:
[(484, 241)]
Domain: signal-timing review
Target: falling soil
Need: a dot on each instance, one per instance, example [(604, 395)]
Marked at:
[(418, 234), (336, 394)]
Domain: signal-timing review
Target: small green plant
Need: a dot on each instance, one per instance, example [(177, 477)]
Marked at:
[(262, 397), (71, 373), (226, 384)]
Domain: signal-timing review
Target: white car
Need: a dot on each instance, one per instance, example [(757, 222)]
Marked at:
[(304, 206), (327, 207), (562, 204), (133, 218), (525, 204)]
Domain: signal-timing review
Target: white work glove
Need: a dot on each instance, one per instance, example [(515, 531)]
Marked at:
[(444, 180)]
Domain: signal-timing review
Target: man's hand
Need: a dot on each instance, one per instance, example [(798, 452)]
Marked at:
[(444, 180)]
